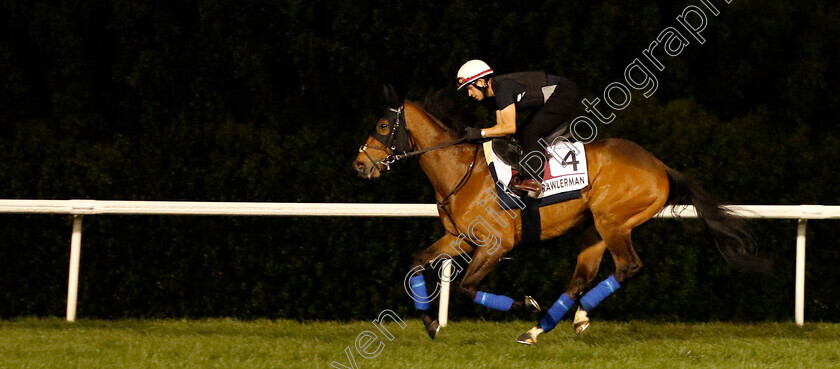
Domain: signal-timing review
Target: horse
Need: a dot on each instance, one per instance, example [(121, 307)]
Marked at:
[(627, 186)]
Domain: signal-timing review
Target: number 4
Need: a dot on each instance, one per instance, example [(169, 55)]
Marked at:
[(574, 161)]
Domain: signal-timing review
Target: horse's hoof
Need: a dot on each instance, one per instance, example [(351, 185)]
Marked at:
[(580, 327), (433, 328), (526, 339), (581, 321), (532, 305), (530, 337)]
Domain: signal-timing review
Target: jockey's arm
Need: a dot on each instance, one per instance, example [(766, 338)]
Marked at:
[(505, 123)]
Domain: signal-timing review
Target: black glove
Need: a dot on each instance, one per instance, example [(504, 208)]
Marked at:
[(473, 134)]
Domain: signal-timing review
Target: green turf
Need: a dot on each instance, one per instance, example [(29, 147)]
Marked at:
[(53, 343)]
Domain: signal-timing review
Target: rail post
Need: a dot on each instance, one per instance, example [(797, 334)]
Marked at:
[(443, 304), (799, 306), (73, 277)]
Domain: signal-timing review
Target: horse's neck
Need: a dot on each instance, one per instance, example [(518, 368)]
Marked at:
[(425, 130), (445, 167)]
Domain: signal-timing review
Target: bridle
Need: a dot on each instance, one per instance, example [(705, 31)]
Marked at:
[(398, 141)]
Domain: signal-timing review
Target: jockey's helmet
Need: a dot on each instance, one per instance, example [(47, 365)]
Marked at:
[(471, 71)]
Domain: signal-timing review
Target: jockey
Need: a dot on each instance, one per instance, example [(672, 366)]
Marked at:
[(552, 99)]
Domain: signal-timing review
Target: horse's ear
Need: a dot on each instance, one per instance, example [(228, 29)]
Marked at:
[(386, 95), (393, 97)]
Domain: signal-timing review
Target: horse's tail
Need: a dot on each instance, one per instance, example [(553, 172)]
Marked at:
[(729, 233)]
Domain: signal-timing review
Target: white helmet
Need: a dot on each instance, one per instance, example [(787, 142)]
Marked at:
[(471, 71)]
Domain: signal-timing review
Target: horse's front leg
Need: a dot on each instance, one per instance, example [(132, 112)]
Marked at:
[(484, 259), (447, 247)]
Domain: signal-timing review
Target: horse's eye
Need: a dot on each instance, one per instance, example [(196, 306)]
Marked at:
[(383, 126)]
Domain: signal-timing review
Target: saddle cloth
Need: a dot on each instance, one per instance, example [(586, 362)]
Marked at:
[(564, 176)]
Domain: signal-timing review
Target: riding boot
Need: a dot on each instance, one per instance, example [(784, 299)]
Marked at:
[(528, 185)]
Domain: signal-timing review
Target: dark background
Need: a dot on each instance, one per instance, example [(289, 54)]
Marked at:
[(269, 101)]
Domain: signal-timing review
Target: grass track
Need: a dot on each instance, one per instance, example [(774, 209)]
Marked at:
[(223, 343)]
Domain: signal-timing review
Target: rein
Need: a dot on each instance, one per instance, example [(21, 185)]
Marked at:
[(443, 203), (399, 139), (432, 148), (391, 158)]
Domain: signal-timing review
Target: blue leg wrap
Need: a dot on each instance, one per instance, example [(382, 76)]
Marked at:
[(418, 290), (495, 302), (592, 298), (557, 311)]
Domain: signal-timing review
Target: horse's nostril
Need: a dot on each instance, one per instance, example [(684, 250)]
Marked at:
[(360, 166)]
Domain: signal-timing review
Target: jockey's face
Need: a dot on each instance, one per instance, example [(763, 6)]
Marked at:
[(474, 92)]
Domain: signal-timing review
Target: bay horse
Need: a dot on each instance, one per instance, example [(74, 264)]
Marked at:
[(627, 186)]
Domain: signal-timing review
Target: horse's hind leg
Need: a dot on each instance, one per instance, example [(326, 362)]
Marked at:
[(616, 214), (447, 246), (627, 262), (589, 260)]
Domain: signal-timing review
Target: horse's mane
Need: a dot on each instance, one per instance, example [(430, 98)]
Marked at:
[(442, 106)]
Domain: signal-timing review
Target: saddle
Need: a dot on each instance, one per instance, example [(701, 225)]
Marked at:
[(510, 150)]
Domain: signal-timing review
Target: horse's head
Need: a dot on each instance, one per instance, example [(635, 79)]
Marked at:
[(390, 137)]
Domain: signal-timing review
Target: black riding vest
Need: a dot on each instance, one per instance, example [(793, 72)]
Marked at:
[(525, 89)]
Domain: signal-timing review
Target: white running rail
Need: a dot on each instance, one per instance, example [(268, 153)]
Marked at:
[(79, 208)]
